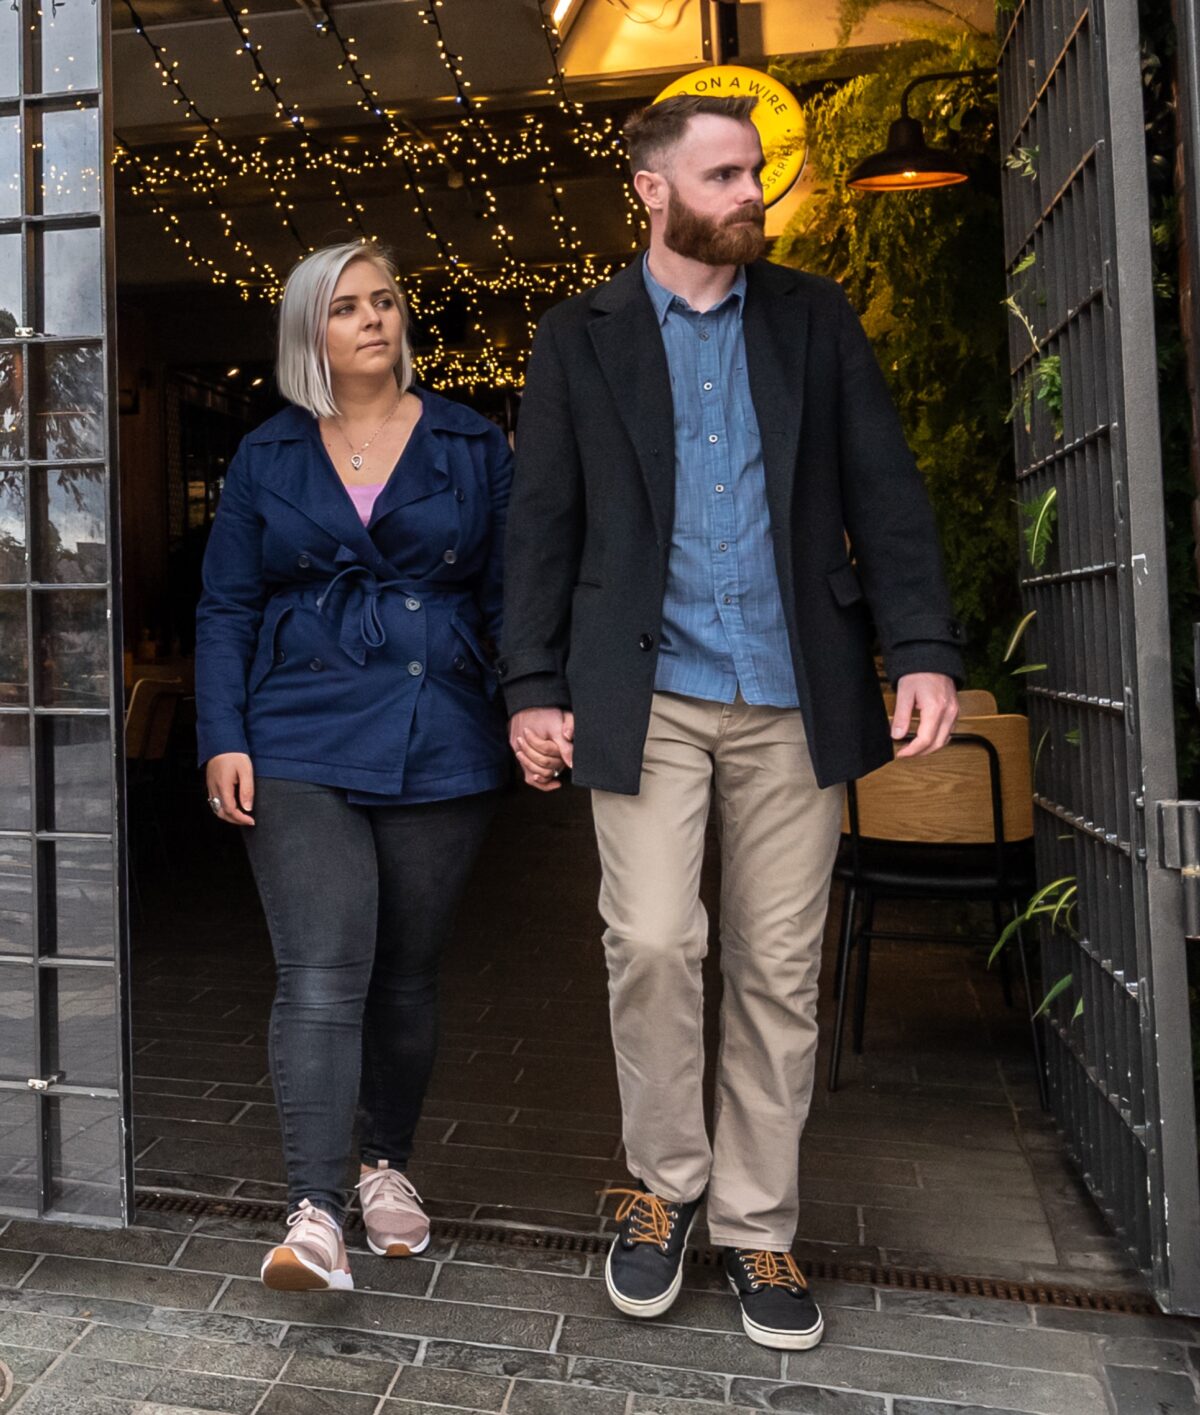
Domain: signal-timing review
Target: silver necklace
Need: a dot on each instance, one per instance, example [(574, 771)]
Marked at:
[(356, 458)]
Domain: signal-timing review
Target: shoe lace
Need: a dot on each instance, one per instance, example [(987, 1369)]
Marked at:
[(650, 1220), (312, 1225), (765, 1269), (390, 1187)]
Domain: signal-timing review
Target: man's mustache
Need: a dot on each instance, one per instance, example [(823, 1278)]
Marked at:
[(757, 213)]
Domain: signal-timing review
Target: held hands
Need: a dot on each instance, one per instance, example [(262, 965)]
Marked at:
[(542, 740), (935, 697), (230, 781)]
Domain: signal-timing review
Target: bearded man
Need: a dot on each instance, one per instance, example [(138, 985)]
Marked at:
[(700, 441)]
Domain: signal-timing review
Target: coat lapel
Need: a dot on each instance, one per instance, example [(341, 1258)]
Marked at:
[(776, 328), (629, 347)]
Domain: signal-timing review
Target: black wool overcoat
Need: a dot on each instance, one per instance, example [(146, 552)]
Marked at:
[(589, 524)]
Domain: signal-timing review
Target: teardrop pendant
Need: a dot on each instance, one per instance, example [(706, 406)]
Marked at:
[(356, 462)]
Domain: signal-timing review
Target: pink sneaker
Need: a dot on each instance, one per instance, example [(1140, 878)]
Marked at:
[(397, 1226), (311, 1258)]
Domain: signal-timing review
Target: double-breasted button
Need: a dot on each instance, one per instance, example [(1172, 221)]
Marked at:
[(303, 561), (280, 656), (450, 556), (316, 665), (411, 603), (646, 642), (459, 494), (415, 668), (459, 662)]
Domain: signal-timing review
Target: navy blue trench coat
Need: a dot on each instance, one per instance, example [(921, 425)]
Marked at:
[(352, 656)]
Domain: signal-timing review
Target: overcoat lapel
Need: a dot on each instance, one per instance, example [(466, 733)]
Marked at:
[(629, 347), (776, 328)]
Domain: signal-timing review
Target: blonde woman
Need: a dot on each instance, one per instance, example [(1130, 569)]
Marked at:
[(349, 724)]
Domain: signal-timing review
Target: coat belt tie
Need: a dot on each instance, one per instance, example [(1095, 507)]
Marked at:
[(361, 629)]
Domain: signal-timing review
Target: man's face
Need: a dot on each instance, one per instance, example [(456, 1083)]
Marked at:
[(714, 209)]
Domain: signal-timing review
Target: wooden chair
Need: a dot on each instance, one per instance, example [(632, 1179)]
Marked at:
[(955, 825), (972, 702), (148, 722)]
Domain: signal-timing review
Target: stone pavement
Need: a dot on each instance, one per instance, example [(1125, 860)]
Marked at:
[(933, 1155)]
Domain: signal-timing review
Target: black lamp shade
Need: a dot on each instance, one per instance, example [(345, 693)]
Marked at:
[(906, 164)]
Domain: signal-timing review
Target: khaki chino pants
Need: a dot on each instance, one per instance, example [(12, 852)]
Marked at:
[(779, 834)]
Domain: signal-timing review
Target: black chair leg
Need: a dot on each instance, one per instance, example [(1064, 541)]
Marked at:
[(1005, 969), (1039, 1060), (845, 945), (864, 969)]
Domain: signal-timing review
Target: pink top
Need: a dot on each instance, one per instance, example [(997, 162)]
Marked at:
[(364, 498)]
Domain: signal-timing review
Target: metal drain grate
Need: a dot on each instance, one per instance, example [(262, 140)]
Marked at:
[(551, 1240)]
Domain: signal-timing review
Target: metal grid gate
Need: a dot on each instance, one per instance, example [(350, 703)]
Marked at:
[(1086, 419)]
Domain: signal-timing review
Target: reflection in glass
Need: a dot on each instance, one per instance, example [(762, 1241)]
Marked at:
[(79, 1022), (70, 270), (14, 656), (67, 400), (16, 896), (10, 50), (12, 381), (12, 526), (12, 290), (14, 775), (66, 46), (10, 164), (18, 1060), (83, 1156), (75, 772), (67, 176), (72, 648), (69, 540), (18, 1150), (78, 878)]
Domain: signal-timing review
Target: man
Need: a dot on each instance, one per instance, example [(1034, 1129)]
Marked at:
[(698, 439)]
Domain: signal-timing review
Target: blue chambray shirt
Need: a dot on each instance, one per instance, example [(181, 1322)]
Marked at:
[(723, 626)]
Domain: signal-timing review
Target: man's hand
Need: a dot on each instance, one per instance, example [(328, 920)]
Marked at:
[(935, 697), (542, 740), (229, 778)]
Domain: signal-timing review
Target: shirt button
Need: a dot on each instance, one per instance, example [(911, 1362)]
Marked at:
[(303, 561), (316, 665), (708, 388), (720, 486), (415, 668), (646, 642), (450, 556), (411, 603), (459, 662), (712, 437), (728, 599), (722, 546), (703, 335)]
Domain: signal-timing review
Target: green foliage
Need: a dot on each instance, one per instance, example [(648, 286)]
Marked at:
[(1024, 161), (925, 271), (1055, 902), (1040, 516)]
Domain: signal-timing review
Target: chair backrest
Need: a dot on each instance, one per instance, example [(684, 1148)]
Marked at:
[(972, 702), (149, 717), (946, 798)]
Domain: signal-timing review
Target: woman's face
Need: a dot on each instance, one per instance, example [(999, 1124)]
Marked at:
[(363, 336)]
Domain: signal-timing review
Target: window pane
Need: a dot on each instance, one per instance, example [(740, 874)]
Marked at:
[(72, 648), (79, 886), (75, 788), (10, 50), (14, 654), (67, 394), (79, 1023), (83, 1156), (18, 1150), (70, 272), (18, 1058), (12, 527), (69, 539), (65, 39), (12, 292), (67, 176), (10, 164), (16, 896), (14, 775), (12, 380)]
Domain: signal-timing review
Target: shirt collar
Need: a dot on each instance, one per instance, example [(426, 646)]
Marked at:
[(662, 299)]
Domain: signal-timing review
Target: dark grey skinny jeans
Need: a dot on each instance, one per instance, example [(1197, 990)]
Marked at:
[(359, 901)]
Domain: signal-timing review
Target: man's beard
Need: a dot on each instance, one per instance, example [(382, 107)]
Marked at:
[(737, 240)]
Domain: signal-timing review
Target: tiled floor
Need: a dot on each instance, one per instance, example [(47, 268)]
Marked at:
[(933, 1154)]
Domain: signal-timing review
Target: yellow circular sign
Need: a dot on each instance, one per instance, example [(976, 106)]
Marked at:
[(777, 115)]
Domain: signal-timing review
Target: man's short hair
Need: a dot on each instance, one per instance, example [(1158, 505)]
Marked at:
[(652, 132)]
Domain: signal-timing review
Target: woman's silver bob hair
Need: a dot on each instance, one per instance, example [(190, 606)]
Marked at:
[(302, 361)]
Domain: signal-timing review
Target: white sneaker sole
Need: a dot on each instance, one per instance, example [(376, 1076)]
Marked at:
[(399, 1250), (652, 1306), (284, 1270), (781, 1340)]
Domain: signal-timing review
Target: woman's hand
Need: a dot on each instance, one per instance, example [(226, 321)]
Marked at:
[(230, 781)]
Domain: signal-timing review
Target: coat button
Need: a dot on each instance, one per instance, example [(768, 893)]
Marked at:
[(415, 668), (459, 494), (303, 561), (450, 556), (501, 668), (459, 662), (411, 603), (280, 656), (646, 642), (316, 665)]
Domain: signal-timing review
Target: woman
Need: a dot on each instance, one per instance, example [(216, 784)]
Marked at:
[(349, 721)]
